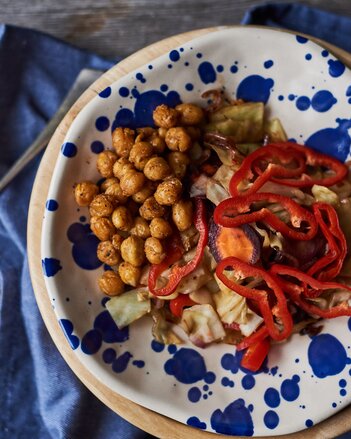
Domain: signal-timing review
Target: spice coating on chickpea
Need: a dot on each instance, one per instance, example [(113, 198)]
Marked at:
[(151, 209), (132, 251), (116, 191), (122, 166), (157, 169), (140, 153), (108, 182), (132, 182), (122, 219), (102, 205), (123, 140), (130, 275), (177, 139), (117, 240), (178, 161), (102, 228), (146, 192), (182, 214), (141, 228), (190, 114), (105, 161), (154, 250), (160, 228), (84, 193), (110, 283), (165, 117), (107, 254), (158, 143), (169, 191)]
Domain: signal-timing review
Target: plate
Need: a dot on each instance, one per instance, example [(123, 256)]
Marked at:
[(309, 90)]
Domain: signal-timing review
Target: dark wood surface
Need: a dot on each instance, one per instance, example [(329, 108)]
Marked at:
[(120, 27)]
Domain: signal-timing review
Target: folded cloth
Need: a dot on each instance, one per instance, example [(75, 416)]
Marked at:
[(40, 397)]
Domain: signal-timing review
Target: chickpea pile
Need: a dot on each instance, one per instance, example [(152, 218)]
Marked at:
[(140, 201)]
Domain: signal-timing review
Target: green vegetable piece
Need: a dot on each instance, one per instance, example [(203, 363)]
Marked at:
[(275, 131)]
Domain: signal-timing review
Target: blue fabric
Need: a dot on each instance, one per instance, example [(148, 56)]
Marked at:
[(39, 395)]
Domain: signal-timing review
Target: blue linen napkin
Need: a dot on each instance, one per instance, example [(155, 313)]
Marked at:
[(39, 395)]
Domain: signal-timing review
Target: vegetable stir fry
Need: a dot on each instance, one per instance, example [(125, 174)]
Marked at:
[(221, 229)]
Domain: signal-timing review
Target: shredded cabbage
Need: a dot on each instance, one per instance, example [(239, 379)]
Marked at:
[(324, 195)]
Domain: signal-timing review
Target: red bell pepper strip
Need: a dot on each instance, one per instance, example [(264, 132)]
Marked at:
[(295, 286), (255, 337), (257, 179), (280, 309), (255, 355), (330, 265), (234, 212), (179, 272), (312, 158), (178, 304)]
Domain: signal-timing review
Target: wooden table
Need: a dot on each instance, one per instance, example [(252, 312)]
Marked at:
[(114, 28)]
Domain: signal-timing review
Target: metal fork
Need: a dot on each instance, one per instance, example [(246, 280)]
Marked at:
[(85, 78)]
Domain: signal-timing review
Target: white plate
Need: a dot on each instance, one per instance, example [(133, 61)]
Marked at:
[(305, 380)]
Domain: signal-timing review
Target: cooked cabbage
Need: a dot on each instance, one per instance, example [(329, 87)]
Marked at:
[(324, 195), (215, 192), (275, 131), (223, 175), (162, 330)]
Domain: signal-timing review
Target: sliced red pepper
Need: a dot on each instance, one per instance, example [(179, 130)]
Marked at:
[(312, 158), (295, 286), (255, 337), (234, 212), (330, 265), (269, 155), (178, 304), (261, 296), (255, 355), (179, 272)]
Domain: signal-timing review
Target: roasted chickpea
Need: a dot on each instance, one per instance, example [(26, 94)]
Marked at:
[(194, 132), (122, 218), (122, 166), (140, 154), (123, 140), (130, 274), (178, 161), (102, 205), (108, 182), (132, 250), (177, 139), (154, 250), (165, 117), (117, 240), (144, 133), (157, 142), (182, 214), (84, 193), (110, 283), (190, 114), (169, 191), (151, 209), (102, 228), (105, 161), (146, 192), (107, 254), (133, 207), (160, 228), (116, 191), (132, 182), (157, 169), (162, 132), (141, 228)]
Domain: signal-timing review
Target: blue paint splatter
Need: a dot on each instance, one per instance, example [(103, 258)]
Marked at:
[(309, 423), (150, 67), (291, 97), (207, 72), (343, 392), (303, 103), (51, 205), (272, 397), (97, 147), (248, 382), (120, 364), (82, 219), (195, 422), (164, 87), (109, 355), (234, 68), (289, 389), (51, 266), (109, 330), (226, 382), (67, 327), (324, 53), (172, 348), (219, 68), (210, 378), (333, 141), (281, 97), (336, 68), (69, 149), (187, 366), (105, 93), (156, 346), (102, 123), (308, 56), (174, 55), (271, 419), (123, 92), (139, 76), (323, 100), (104, 300), (255, 88), (194, 394), (348, 91), (199, 55), (274, 370), (334, 405), (301, 40), (232, 362), (84, 246), (91, 342), (326, 355), (268, 64), (342, 383), (139, 363), (235, 419), (189, 86)]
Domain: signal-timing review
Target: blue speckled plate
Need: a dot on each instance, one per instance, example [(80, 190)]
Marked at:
[(305, 380)]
